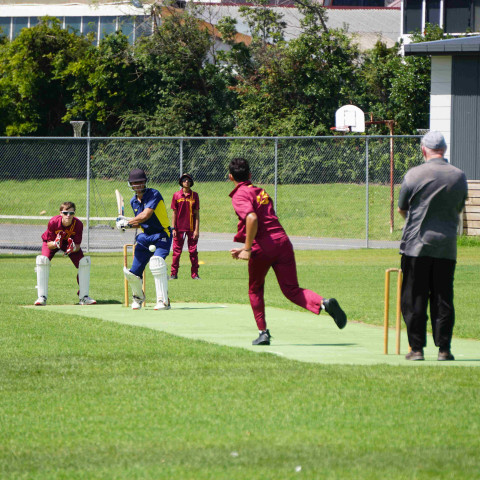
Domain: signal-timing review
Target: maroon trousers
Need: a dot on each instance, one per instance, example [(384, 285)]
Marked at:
[(177, 247), (279, 255), (74, 257)]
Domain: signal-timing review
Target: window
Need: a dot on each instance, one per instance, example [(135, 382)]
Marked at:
[(126, 24), (433, 12), (108, 25), (19, 23), (413, 16), (90, 24), (5, 26), (457, 16), (73, 23)]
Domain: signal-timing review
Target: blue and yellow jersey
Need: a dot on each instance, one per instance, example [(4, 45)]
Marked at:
[(158, 222)]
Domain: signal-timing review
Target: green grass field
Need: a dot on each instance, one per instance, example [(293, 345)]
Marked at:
[(327, 210), (88, 399)]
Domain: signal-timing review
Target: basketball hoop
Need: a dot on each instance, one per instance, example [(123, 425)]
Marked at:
[(343, 129), (77, 127)]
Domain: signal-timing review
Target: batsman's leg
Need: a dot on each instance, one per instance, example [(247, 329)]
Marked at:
[(43, 271), (84, 281), (158, 267), (136, 285)]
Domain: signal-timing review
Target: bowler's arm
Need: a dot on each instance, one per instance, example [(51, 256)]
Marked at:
[(251, 224)]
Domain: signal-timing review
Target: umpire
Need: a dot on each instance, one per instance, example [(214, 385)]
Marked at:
[(431, 198)]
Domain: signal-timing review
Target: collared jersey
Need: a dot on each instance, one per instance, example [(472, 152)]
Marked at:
[(433, 194), (74, 231), (158, 222), (185, 204), (246, 198)]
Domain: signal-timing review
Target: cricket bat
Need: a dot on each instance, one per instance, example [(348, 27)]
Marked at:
[(120, 204)]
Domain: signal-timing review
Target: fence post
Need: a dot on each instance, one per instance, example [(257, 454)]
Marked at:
[(366, 194), (276, 175), (181, 158), (88, 187)]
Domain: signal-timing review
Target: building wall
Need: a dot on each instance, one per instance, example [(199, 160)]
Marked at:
[(441, 97)]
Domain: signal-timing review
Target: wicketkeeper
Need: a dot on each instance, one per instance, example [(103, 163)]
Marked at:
[(64, 232), (151, 216)]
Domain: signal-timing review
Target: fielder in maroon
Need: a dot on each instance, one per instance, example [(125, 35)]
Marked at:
[(267, 245), (64, 232), (186, 224)]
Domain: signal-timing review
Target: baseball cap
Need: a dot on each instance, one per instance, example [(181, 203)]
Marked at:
[(434, 140)]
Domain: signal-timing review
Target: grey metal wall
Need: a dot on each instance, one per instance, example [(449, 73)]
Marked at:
[(465, 115)]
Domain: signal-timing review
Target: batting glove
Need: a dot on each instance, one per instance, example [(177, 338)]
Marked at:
[(58, 239), (122, 223), (70, 247)]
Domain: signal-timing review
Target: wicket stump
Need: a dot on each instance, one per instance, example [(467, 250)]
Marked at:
[(125, 264), (398, 324)]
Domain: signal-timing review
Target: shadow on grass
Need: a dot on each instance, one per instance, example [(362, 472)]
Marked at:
[(316, 344), (108, 302)]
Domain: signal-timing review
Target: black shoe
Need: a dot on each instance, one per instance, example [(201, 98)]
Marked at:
[(173, 277), (444, 355), (263, 338), (415, 355), (334, 310)]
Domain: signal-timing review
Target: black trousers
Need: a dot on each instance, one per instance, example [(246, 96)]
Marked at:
[(428, 279)]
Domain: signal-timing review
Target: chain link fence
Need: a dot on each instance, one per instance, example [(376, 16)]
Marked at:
[(338, 190)]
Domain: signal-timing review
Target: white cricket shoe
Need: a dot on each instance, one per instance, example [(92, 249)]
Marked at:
[(162, 306), (137, 302), (41, 301), (86, 300)]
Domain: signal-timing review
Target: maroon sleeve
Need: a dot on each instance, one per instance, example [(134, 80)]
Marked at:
[(197, 201), (242, 203), (173, 206), (49, 234)]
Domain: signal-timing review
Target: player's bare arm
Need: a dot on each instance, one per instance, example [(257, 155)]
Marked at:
[(251, 224)]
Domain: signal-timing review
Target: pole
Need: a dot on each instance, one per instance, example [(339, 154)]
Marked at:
[(181, 157), (88, 187), (276, 175), (392, 193), (367, 199)]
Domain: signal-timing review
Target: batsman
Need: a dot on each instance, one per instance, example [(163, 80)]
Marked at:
[(151, 216)]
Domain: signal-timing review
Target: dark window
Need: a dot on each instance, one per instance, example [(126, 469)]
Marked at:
[(90, 24), (476, 16), (413, 16), (125, 24), (458, 16), (358, 3), (433, 12)]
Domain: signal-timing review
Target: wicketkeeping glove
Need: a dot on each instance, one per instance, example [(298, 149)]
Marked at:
[(58, 239), (70, 247), (122, 223)]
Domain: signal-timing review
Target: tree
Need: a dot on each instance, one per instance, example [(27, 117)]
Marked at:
[(33, 99)]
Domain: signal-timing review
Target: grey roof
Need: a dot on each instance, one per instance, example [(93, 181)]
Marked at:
[(365, 25), (453, 46)]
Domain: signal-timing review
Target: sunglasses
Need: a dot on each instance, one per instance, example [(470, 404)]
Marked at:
[(68, 213)]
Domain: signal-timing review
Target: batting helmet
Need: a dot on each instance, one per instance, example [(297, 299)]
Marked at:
[(137, 175), (186, 175)]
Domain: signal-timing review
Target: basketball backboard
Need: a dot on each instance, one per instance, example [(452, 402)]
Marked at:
[(351, 117)]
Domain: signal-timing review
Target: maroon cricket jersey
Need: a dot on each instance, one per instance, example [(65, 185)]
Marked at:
[(246, 198), (185, 205), (74, 231)]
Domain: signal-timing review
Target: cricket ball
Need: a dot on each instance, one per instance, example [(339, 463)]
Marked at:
[(152, 248)]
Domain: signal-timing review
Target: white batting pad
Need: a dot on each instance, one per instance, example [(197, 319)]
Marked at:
[(84, 276), (43, 272), (158, 267), (134, 282)]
